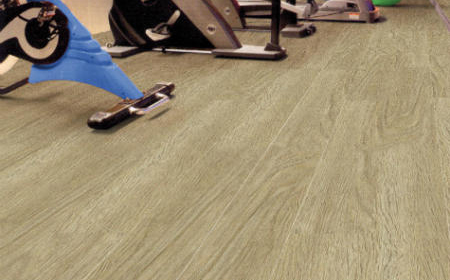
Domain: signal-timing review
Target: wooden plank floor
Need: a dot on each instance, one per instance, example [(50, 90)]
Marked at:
[(331, 164)]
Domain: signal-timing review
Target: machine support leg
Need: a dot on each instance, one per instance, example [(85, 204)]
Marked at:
[(276, 19), (16, 85)]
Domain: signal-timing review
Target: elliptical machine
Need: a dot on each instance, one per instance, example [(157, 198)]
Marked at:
[(236, 13), (193, 26), (331, 10), (48, 35)]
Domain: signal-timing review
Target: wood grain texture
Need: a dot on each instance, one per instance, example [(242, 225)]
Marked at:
[(331, 164)]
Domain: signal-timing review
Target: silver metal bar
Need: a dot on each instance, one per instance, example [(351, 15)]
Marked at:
[(182, 51), (142, 111)]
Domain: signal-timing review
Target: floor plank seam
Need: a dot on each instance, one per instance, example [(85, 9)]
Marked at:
[(447, 200), (322, 157), (252, 171)]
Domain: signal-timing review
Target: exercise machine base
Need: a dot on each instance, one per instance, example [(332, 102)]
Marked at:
[(370, 17), (153, 98), (298, 30), (255, 52), (246, 51), (122, 51)]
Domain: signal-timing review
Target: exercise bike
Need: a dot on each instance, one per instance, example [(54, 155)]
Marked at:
[(47, 34), (188, 26)]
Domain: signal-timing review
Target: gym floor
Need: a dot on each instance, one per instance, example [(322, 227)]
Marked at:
[(331, 164)]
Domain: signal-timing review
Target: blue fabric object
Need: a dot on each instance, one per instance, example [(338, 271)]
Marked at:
[(85, 62)]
